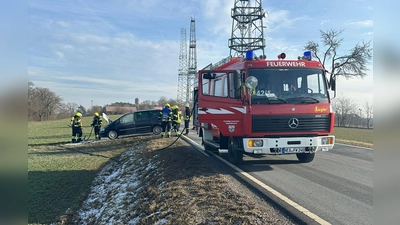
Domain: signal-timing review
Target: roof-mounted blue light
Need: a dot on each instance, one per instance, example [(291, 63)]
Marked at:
[(307, 55), (249, 55)]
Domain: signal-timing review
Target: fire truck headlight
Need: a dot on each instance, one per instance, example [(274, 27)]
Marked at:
[(255, 143), (326, 141)]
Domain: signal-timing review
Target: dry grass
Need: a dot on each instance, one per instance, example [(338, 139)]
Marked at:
[(193, 191)]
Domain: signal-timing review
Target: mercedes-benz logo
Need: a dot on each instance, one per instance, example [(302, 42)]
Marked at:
[(293, 123)]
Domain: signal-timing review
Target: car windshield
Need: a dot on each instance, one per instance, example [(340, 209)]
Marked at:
[(289, 86)]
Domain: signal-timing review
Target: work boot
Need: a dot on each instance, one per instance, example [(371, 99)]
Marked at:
[(73, 141)]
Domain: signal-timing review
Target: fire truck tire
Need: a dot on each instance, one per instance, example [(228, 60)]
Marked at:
[(235, 155), (305, 157)]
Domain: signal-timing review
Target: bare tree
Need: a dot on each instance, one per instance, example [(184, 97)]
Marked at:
[(345, 110), (368, 109), (44, 103), (71, 107), (348, 65), (162, 101), (95, 108)]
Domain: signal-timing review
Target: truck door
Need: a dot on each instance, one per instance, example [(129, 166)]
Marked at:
[(219, 102)]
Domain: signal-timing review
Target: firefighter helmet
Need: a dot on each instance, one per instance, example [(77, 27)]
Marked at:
[(78, 114), (175, 107), (167, 105), (96, 114), (187, 105)]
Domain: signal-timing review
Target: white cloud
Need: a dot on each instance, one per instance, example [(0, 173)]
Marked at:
[(365, 23)]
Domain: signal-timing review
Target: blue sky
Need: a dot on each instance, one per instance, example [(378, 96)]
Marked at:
[(116, 51)]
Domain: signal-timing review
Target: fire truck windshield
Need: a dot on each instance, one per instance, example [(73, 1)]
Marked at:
[(289, 86)]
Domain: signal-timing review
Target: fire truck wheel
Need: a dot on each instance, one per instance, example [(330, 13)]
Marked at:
[(235, 155), (305, 157)]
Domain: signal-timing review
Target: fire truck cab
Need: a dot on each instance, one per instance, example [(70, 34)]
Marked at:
[(264, 107)]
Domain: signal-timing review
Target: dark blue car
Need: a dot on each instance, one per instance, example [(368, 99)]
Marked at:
[(139, 122)]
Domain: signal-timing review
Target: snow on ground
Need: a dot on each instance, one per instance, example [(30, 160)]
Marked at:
[(115, 193)]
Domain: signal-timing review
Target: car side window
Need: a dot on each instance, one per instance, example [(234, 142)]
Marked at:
[(142, 116), (154, 115), (127, 119)]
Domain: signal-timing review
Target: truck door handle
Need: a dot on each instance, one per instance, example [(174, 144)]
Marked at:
[(203, 109)]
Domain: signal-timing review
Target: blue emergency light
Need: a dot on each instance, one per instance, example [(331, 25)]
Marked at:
[(307, 55), (249, 55)]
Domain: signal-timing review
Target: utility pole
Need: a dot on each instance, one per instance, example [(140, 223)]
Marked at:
[(192, 70), (247, 27), (187, 67), (183, 70)]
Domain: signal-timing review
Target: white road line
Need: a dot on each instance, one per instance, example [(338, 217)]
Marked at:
[(199, 148), (268, 188)]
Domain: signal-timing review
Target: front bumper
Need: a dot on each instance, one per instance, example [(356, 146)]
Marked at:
[(290, 145)]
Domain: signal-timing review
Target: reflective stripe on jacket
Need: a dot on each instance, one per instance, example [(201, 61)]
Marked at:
[(177, 116)]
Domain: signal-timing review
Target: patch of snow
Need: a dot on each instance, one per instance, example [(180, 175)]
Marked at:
[(113, 195)]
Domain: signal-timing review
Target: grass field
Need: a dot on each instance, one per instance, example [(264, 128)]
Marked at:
[(354, 136), (60, 176)]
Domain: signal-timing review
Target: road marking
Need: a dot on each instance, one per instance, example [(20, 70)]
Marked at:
[(290, 202), (277, 194), (199, 148)]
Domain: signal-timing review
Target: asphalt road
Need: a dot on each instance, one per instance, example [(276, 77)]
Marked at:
[(337, 186)]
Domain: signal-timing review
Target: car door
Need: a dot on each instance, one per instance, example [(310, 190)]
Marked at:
[(143, 122), (126, 124)]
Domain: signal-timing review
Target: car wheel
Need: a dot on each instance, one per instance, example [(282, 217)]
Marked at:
[(112, 134), (157, 129), (305, 157)]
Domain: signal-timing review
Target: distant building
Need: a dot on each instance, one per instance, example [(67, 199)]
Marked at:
[(137, 101)]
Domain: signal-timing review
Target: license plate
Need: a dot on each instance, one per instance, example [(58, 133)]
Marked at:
[(293, 150)]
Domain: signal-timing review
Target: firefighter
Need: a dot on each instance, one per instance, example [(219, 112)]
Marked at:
[(165, 118), (96, 124), (77, 128), (186, 118), (176, 119)]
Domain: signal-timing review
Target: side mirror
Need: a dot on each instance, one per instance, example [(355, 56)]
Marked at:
[(251, 82), (332, 84), (209, 76)]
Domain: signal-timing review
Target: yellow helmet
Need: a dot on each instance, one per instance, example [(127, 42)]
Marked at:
[(78, 114), (167, 105), (174, 107), (96, 114)]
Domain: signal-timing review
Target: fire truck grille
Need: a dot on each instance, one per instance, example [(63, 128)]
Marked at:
[(290, 123)]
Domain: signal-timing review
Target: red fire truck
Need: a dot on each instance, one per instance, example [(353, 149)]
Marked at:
[(253, 106)]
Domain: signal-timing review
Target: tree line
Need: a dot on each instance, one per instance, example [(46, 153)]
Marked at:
[(350, 114), (44, 104)]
